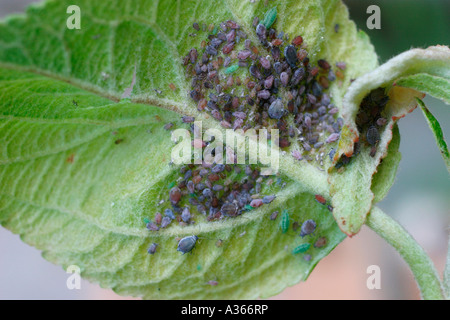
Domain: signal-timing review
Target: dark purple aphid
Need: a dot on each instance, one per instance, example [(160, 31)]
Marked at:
[(193, 54), (211, 51), (152, 248), (274, 215), (195, 95), (216, 42), (284, 77), (264, 63), (332, 138), (196, 26), (373, 136), (311, 98), (332, 153), (318, 145), (227, 62), (261, 31), (299, 74), (264, 94), (278, 67), (291, 55), (168, 126), (307, 122), (152, 227), (336, 27), (229, 209), (207, 192), (306, 146), (187, 244), (169, 213), (231, 35), (268, 199), (190, 186), (268, 82), (316, 89), (322, 110), (244, 54), (165, 222), (333, 111), (254, 71), (218, 168), (276, 110), (308, 227), (186, 215)]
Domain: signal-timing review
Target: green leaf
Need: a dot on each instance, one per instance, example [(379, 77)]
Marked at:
[(80, 168), (437, 131), (436, 86), (412, 67)]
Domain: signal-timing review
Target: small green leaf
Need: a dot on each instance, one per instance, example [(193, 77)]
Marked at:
[(436, 86), (437, 131)]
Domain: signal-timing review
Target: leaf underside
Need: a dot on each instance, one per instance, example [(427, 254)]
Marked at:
[(80, 168), (427, 70)]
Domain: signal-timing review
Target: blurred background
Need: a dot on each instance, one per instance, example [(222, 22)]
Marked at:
[(419, 199)]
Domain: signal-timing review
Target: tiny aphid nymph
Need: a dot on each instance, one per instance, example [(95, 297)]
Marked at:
[(152, 248), (308, 227), (301, 248)]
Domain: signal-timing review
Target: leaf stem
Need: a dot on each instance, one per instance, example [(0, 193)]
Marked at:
[(421, 265)]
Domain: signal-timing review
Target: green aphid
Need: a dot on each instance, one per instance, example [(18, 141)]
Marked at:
[(216, 28), (171, 185), (284, 222), (146, 220), (270, 18), (301, 248), (248, 207), (231, 69)]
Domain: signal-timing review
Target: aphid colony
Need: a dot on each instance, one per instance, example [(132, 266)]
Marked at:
[(214, 191), (283, 90), (369, 122)]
